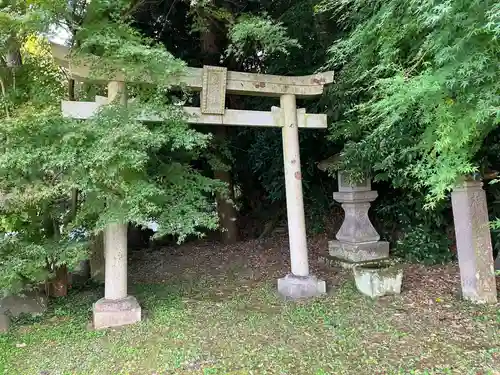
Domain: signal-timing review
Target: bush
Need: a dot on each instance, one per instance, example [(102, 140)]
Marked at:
[(424, 244), (416, 233)]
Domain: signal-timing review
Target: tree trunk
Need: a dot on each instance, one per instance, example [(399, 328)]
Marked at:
[(71, 90), (225, 203), (13, 62), (58, 287), (13, 57)]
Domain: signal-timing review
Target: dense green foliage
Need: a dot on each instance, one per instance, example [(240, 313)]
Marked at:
[(64, 180), (414, 101), (276, 37), (421, 83), (415, 233), (418, 97)]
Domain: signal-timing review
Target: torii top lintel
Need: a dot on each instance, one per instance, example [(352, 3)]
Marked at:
[(199, 79)]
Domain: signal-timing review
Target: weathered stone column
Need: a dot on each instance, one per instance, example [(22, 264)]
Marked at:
[(115, 248), (116, 308), (472, 231), (298, 284), (357, 240)]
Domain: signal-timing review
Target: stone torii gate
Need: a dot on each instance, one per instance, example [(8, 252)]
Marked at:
[(117, 307)]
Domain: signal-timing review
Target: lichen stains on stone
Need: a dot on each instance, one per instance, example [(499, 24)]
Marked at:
[(320, 81)]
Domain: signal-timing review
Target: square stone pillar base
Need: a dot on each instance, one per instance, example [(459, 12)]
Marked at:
[(115, 313), (358, 252), (299, 287)]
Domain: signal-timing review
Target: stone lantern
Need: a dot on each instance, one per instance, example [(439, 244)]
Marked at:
[(357, 240)]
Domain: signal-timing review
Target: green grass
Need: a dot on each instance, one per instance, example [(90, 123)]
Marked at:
[(207, 328)]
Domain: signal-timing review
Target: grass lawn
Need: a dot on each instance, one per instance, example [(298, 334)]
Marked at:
[(216, 312)]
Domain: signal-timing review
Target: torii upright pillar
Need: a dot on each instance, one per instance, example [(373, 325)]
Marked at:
[(299, 283), (117, 308)]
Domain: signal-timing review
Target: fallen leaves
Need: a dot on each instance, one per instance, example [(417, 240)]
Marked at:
[(213, 309)]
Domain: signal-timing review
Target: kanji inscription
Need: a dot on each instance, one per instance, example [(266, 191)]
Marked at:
[(213, 93)]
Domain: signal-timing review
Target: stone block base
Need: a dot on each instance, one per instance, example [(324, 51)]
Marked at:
[(479, 297), (298, 287), (378, 282), (480, 289), (358, 252), (116, 313), (4, 321), (33, 303), (80, 275)]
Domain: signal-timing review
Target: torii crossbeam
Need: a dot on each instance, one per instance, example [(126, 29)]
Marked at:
[(117, 308)]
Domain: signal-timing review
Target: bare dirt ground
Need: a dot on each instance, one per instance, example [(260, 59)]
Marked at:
[(213, 309), (269, 259), (429, 306)]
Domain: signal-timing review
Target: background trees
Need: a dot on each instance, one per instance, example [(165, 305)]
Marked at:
[(419, 87), (415, 103), (64, 180)]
